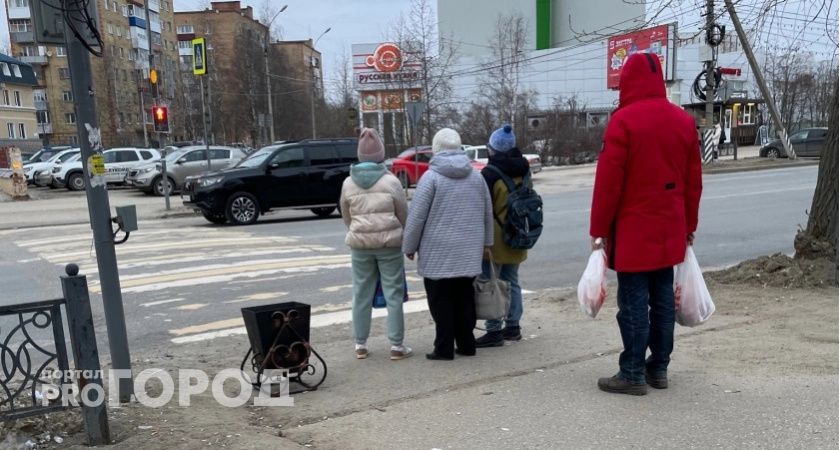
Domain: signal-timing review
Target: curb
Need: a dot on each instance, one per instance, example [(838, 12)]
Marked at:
[(723, 170)]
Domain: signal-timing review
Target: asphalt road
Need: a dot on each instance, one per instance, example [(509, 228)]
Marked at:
[(184, 278)]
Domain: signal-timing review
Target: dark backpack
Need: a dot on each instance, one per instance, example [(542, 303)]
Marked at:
[(523, 224)]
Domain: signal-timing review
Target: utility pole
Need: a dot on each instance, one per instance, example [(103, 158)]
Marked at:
[(710, 70), (312, 74), (90, 142), (759, 79), (268, 75)]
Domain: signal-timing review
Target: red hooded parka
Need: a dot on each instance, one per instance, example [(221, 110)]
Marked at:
[(648, 179)]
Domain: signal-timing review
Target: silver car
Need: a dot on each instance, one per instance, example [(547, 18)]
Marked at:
[(181, 163)]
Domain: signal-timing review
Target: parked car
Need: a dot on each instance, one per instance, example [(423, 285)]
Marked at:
[(478, 153), (52, 183), (807, 142), (301, 175), (409, 170), (44, 154), (32, 169), (42, 174), (180, 164), (118, 161)]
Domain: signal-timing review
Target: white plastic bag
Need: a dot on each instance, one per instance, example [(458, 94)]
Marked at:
[(592, 288), (693, 302)]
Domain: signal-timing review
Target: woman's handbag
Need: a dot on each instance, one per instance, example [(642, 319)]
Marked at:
[(492, 297)]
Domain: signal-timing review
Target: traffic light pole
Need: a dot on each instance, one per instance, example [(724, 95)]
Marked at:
[(90, 142), (204, 119)]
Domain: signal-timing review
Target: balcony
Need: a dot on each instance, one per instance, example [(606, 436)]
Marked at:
[(21, 37), (154, 5), (42, 105), (19, 12), (41, 59), (134, 21)]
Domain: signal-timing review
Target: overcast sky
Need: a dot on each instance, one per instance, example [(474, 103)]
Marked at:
[(351, 22)]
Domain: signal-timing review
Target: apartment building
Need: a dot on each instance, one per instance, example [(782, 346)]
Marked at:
[(304, 64), (235, 78), (120, 76), (17, 104)]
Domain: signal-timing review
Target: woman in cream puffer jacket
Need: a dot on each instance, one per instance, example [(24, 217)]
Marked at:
[(374, 209)]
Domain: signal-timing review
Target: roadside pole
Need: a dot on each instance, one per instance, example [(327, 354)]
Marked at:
[(200, 68), (204, 120), (710, 76), (90, 142), (759, 79), (166, 184)]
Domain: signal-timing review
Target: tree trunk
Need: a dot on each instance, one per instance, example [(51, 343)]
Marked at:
[(819, 239)]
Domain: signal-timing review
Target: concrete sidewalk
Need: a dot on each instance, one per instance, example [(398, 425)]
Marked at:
[(761, 374)]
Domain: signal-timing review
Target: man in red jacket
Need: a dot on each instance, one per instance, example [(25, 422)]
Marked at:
[(644, 211)]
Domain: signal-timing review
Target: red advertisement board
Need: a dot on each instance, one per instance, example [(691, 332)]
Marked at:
[(619, 48)]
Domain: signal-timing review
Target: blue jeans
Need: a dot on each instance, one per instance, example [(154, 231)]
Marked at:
[(509, 273), (646, 315)]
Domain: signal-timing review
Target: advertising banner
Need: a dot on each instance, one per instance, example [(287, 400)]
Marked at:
[(384, 66), (656, 40)]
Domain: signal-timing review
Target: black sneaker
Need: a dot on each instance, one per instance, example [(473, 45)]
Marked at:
[(491, 339), (618, 385), (435, 357), (512, 333)]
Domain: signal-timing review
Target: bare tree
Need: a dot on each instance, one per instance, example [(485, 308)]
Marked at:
[(819, 238), (500, 84), (417, 34)]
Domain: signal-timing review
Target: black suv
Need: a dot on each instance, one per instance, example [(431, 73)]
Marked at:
[(299, 175)]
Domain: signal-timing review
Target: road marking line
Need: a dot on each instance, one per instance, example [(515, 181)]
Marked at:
[(162, 302), (203, 243), (336, 288), (217, 325), (316, 321), (191, 307), (768, 191), (258, 297)]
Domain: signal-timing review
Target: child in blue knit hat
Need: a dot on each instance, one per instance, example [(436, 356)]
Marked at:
[(502, 140)]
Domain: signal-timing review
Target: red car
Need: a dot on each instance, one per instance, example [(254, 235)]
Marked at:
[(409, 170)]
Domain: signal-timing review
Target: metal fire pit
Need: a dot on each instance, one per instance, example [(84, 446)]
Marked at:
[(279, 337)]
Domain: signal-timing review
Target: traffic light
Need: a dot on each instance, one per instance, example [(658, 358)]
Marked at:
[(160, 114), (153, 82)]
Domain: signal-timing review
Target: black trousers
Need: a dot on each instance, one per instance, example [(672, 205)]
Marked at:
[(452, 304)]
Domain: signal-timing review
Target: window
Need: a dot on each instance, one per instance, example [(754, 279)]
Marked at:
[(10, 130), (70, 118), (799, 135), (165, 6), (122, 53), (195, 156), (17, 98), (185, 29), (67, 96), (817, 134), (125, 10), (39, 96), (20, 25), (290, 157), (5, 68), (43, 117), (110, 28), (22, 129), (6, 97), (132, 54), (168, 26), (66, 156), (114, 6), (16, 70), (64, 73), (145, 154), (119, 31), (127, 156), (347, 153), (321, 155), (185, 44), (107, 3), (219, 154), (20, 3), (61, 51), (29, 50)]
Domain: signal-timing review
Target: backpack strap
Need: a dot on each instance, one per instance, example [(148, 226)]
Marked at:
[(511, 186)]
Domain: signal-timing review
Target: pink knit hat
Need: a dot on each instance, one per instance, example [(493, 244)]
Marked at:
[(370, 147)]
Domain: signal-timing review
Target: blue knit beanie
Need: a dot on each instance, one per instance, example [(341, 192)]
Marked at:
[(502, 140)]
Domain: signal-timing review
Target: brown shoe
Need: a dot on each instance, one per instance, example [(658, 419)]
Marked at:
[(400, 352), (618, 385), (656, 382)]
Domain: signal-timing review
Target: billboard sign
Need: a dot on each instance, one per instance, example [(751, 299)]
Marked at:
[(656, 40), (384, 66)]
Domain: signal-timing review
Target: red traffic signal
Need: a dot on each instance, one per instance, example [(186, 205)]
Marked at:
[(160, 115)]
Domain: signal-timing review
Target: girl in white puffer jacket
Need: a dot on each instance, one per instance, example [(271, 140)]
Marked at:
[(374, 209)]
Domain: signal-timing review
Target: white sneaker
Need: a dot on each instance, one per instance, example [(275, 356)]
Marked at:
[(400, 352), (361, 351)]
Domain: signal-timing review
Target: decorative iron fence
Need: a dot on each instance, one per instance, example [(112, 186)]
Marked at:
[(29, 370)]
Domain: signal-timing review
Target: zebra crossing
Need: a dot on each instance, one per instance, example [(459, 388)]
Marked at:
[(191, 281)]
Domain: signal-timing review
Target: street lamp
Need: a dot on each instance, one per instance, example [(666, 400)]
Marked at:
[(268, 73), (312, 97)]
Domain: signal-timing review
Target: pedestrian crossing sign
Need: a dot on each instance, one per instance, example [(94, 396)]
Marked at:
[(199, 56)]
